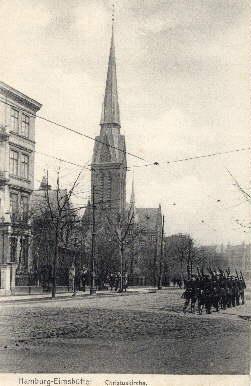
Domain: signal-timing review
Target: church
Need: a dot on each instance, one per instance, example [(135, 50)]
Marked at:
[(108, 192)]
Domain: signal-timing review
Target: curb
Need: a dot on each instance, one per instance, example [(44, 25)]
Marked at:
[(70, 297)]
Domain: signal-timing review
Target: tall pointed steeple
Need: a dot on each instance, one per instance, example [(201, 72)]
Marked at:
[(110, 111), (109, 153)]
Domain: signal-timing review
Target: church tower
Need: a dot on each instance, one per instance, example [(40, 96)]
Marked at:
[(109, 165)]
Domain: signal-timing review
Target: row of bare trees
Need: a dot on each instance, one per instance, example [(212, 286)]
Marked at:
[(56, 225)]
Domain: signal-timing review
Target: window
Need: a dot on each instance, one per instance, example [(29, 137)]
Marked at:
[(25, 166), (109, 191), (13, 249), (14, 116), (14, 206), (24, 207), (24, 241), (142, 243), (14, 162), (25, 125), (101, 188)]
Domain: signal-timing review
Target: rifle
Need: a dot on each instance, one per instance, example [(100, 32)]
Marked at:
[(220, 270), (210, 271)]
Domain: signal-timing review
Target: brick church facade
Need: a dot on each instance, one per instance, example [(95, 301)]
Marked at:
[(108, 179), (108, 187)]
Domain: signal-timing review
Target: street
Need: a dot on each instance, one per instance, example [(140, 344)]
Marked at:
[(129, 333)]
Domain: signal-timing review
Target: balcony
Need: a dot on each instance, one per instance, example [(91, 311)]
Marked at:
[(3, 177), (4, 136), (20, 218)]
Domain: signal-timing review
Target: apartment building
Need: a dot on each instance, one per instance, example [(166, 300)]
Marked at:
[(17, 147)]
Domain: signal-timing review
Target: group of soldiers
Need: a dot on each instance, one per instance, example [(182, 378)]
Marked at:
[(218, 290)]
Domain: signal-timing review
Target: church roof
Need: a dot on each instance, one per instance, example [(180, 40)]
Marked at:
[(39, 203), (110, 111), (148, 218)]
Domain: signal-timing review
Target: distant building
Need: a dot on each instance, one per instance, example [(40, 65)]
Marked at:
[(236, 257), (144, 241), (239, 257), (17, 146)]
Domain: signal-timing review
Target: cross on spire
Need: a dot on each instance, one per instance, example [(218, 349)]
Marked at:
[(113, 13)]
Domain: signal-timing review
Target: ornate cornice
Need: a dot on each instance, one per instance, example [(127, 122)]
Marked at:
[(10, 92)]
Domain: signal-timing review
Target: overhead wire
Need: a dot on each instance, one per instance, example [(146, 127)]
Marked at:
[(78, 132), (155, 163)]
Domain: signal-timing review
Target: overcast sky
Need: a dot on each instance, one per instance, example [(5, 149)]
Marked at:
[(183, 78)]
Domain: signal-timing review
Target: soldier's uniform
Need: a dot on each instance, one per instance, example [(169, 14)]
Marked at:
[(215, 298), (242, 287), (208, 300), (223, 297), (187, 294), (201, 299), (229, 295)]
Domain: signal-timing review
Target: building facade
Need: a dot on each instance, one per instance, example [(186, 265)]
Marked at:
[(144, 243), (17, 146)]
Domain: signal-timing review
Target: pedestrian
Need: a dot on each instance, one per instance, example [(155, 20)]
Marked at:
[(111, 280), (125, 282), (83, 278), (117, 281), (72, 274)]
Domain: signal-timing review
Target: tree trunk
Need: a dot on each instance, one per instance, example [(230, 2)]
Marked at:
[(55, 259)]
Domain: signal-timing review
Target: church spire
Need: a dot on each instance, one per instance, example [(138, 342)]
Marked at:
[(110, 111)]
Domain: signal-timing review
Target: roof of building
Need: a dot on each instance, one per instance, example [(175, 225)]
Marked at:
[(11, 92), (39, 198), (148, 218), (39, 203)]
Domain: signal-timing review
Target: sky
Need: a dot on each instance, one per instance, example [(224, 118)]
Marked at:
[(183, 80)]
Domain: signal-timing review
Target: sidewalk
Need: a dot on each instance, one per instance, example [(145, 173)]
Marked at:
[(69, 295)]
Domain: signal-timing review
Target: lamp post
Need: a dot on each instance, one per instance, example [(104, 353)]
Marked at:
[(75, 275), (93, 287)]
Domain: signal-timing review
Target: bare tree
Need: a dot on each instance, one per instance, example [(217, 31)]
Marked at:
[(56, 209), (120, 225), (181, 248), (247, 196)]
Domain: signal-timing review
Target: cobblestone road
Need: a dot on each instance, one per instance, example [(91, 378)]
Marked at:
[(136, 333)]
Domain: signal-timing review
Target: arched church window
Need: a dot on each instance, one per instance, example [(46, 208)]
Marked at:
[(101, 193), (109, 190)]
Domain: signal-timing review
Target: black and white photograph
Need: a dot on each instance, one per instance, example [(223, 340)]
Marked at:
[(125, 192)]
